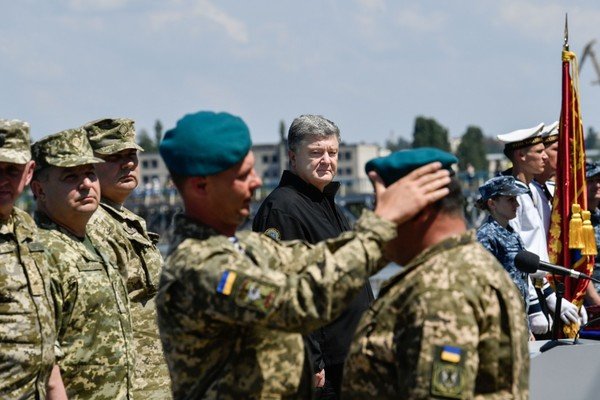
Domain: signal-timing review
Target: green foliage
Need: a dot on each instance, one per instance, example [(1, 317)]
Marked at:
[(428, 133), (591, 139), (492, 145), (396, 145), (146, 142), (471, 149), (158, 129), (282, 130)]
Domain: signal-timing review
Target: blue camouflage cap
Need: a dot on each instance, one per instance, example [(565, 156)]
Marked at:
[(205, 143), (501, 186), (591, 169), (400, 163)]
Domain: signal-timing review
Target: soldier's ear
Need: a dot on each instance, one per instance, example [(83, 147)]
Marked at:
[(199, 184), (37, 190)]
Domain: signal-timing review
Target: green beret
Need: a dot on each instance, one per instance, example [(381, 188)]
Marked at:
[(205, 143), (400, 163), (111, 135), (14, 141), (68, 148)]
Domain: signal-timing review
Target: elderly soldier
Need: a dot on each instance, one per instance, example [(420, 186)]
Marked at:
[(231, 307), (113, 140), (26, 308), (303, 207), (452, 323), (93, 321)]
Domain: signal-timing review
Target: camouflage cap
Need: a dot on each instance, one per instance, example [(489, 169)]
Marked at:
[(592, 170), (68, 148), (14, 141), (111, 135), (501, 186)]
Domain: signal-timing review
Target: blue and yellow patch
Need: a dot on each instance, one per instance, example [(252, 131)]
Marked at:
[(226, 282), (448, 372), (247, 291), (451, 354)]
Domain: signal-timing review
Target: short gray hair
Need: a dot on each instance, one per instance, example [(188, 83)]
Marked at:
[(310, 126)]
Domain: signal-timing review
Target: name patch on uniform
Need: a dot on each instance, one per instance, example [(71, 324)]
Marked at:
[(273, 233), (255, 294), (447, 374), (225, 285)]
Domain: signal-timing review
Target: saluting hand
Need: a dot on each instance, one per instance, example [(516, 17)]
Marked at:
[(403, 199)]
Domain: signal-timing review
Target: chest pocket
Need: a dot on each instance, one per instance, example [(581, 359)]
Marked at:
[(35, 267)]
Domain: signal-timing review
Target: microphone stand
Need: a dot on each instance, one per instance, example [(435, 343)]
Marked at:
[(560, 292)]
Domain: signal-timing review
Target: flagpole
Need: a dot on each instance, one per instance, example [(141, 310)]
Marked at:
[(566, 43)]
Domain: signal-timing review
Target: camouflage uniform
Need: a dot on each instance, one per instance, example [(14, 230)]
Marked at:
[(451, 325), (94, 347), (94, 327), (231, 311), (504, 244), (27, 331), (141, 266)]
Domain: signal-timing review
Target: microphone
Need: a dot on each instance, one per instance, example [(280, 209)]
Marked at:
[(529, 262)]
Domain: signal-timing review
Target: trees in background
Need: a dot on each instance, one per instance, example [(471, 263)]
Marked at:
[(147, 143), (428, 133), (471, 150)]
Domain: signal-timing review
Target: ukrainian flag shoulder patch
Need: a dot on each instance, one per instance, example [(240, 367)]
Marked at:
[(451, 354), (225, 285)]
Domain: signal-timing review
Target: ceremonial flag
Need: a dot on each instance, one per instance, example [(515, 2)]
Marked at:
[(569, 243)]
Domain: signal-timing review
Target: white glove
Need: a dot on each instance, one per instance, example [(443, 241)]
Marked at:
[(538, 323), (568, 311), (583, 315)]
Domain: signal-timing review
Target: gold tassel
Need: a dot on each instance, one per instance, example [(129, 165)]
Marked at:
[(589, 238), (576, 228)]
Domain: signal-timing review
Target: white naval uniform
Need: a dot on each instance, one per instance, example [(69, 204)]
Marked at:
[(529, 225), (545, 205)]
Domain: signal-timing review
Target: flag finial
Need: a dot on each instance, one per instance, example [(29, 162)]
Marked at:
[(566, 43)]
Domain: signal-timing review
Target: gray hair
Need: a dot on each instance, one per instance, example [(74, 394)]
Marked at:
[(310, 126)]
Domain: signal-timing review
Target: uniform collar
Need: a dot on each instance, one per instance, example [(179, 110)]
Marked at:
[(492, 221), (186, 227), (290, 179), (447, 244), (112, 204)]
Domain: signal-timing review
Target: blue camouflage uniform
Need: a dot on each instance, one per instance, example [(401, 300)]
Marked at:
[(504, 244)]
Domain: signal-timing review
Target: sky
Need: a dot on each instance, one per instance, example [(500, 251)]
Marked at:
[(371, 66)]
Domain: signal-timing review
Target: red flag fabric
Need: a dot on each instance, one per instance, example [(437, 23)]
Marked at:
[(564, 248)]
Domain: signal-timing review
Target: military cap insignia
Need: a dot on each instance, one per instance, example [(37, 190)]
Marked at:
[(273, 233), (447, 375)]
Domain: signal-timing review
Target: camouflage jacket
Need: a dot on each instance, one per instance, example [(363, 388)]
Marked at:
[(140, 262), (450, 325), (231, 311), (27, 330), (95, 352), (504, 244)]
